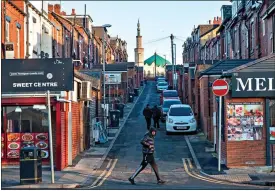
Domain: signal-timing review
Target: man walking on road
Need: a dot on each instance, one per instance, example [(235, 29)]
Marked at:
[(156, 116), (147, 112), (148, 156)]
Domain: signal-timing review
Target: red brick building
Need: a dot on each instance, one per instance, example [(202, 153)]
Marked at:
[(13, 29), (246, 33)]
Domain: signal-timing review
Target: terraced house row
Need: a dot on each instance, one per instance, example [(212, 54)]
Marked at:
[(39, 30), (238, 43)]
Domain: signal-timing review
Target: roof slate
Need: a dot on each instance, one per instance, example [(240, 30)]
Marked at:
[(224, 65), (260, 65)]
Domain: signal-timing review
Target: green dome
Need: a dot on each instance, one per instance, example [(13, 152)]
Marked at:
[(160, 62)]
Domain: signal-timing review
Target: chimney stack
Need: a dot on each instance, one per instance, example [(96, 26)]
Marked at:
[(57, 8), (50, 7), (209, 22), (73, 12)]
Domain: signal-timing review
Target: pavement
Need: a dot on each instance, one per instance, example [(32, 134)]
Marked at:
[(174, 155), (84, 165), (208, 165)]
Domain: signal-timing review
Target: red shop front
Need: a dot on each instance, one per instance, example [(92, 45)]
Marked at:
[(25, 123)]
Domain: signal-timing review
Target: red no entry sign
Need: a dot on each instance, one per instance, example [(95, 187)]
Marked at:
[(220, 87)]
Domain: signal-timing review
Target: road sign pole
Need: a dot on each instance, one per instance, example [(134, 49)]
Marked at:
[(50, 134), (220, 88), (220, 132)]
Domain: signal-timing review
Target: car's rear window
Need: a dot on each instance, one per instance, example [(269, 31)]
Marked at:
[(170, 94), (167, 104), (181, 111), (162, 84)]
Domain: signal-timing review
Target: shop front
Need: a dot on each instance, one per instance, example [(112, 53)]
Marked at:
[(25, 123), (248, 136), (25, 108)]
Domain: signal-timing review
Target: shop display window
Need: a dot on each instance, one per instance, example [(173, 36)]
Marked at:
[(24, 126), (26, 119), (272, 119)]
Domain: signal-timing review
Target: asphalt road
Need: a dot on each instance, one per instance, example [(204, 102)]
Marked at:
[(126, 155)]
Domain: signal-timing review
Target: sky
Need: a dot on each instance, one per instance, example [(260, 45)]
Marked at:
[(158, 20)]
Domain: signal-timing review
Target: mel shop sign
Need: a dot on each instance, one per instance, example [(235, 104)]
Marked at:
[(253, 84), (32, 75)]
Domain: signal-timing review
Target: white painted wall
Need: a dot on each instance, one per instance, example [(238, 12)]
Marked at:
[(38, 39), (151, 69)]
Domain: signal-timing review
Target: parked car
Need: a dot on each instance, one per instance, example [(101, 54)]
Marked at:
[(166, 106), (180, 118), (160, 80), (159, 77), (162, 86), (169, 94)]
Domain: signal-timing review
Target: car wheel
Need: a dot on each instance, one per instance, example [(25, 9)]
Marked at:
[(168, 133)]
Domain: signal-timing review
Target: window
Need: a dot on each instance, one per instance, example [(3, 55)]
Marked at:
[(236, 40), (170, 94), (18, 42), (167, 104), (7, 31), (252, 37), (181, 111), (57, 41), (26, 119)]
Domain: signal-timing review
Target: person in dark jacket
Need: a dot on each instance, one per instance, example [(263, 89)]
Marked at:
[(156, 116), (147, 112), (148, 148)]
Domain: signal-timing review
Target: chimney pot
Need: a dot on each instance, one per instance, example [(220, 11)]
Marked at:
[(50, 7), (73, 11), (57, 8)]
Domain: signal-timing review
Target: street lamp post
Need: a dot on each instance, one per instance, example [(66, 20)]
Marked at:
[(103, 60)]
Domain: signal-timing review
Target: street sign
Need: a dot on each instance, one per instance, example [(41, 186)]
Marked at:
[(220, 87)]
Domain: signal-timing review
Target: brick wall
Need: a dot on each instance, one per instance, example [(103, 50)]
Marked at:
[(75, 129), (15, 16), (240, 153), (64, 139)]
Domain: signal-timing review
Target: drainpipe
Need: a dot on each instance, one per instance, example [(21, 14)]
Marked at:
[(248, 37), (258, 28), (209, 109), (240, 42), (70, 140), (5, 40)]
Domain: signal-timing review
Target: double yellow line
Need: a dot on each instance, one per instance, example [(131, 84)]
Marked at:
[(105, 174), (189, 169)]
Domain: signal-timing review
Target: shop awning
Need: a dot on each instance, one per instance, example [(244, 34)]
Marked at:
[(265, 64), (224, 65), (160, 62)]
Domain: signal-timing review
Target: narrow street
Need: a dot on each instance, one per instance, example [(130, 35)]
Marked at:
[(125, 157)]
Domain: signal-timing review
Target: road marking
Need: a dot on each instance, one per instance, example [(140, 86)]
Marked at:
[(192, 152), (102, 174), (109, 173), (105, 174), (198, 176)]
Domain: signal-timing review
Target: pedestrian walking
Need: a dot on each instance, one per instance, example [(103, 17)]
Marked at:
[(148, 149), (156, 116), (147, 112)]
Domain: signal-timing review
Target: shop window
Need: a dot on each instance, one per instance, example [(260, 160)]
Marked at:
[(7, 31), (26, 119), (18, 42)]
